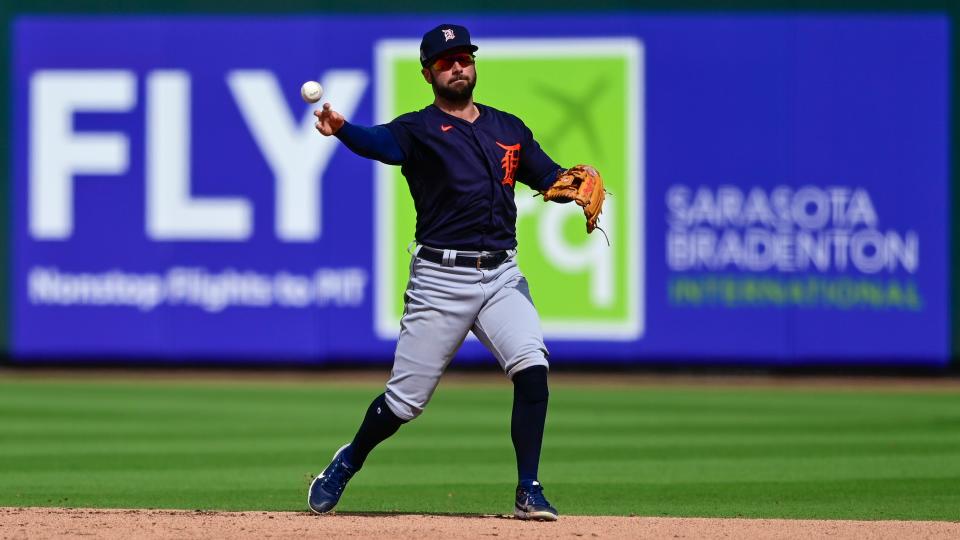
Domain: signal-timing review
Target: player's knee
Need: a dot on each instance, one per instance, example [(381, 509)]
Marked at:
[(403, 408), (530, 384), (381, 406), (526, 358)]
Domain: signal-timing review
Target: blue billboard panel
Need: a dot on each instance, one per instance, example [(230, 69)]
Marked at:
[(784, 199)]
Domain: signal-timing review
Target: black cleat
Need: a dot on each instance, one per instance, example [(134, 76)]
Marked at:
[(531, 504), (326, 489)]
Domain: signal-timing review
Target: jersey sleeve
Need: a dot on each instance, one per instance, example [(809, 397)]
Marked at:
[(371, 142), (536, 169), (403, 128)]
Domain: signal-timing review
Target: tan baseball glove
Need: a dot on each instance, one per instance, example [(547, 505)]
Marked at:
[(583, 185)]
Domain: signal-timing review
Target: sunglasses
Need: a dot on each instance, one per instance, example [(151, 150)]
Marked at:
[(445, 63)]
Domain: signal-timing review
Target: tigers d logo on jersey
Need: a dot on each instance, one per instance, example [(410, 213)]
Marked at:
[(510, 161)]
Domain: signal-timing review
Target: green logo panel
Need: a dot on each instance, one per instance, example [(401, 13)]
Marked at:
[(594, 122)]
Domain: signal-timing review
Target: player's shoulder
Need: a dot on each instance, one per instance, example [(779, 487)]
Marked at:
[(503, 121), (413, 120), (497, 113), (412, 117)]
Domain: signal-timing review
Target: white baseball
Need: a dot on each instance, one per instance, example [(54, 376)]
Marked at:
[(311, 91)]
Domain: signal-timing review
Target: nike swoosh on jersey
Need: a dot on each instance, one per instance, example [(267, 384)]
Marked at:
[(446, 127)]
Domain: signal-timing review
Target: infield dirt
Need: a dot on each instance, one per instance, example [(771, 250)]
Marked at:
[(16, 523)]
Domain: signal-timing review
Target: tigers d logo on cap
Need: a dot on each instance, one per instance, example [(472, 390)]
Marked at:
[(443, 38)]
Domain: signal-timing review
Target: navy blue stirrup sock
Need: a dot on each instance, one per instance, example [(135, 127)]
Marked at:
[(378, 424), (530, 395)]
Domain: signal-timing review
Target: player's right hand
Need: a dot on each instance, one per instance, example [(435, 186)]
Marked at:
[(329, 121)]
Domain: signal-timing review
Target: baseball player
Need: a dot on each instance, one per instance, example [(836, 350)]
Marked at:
[(461, 160)]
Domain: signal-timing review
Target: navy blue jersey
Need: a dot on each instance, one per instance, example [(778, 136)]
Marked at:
[(462, 175)]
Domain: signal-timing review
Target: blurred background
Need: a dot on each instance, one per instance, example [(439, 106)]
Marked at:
[(780, 176)]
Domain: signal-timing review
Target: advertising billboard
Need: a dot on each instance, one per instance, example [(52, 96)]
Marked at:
[(778, 185)]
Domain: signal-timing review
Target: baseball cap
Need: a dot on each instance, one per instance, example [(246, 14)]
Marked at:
[(442, 39)]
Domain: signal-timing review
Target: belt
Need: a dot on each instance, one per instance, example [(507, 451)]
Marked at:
[(489, 259)]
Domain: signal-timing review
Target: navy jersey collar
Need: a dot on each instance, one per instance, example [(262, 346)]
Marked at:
[(480, 108)]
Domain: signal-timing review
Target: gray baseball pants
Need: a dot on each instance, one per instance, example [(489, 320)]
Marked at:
[(443, 303)]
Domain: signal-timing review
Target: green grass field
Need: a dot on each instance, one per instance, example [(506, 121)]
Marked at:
[(864, 454)]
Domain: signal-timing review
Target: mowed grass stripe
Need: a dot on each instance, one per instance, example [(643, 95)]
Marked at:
[(39, 428), (246, 394), (478, 446), (608, 450), (402, 466), (889, 499), (163, 454), (658, 473), (33, 433)]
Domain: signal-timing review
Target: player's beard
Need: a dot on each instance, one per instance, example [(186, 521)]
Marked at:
[(455, 94)]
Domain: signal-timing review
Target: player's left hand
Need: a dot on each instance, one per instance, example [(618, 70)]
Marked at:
[(583, 185)]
